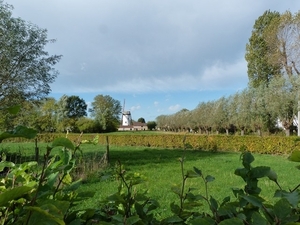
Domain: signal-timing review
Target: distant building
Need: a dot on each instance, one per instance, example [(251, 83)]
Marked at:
[(127, 124), (135, 126), (126, 118)]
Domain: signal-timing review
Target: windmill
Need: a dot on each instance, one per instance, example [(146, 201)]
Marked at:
[(126, 117)]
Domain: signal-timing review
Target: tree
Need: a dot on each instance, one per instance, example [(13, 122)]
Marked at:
[(75, 107), (26, 69), (141, 120), (151, 125), (283, 40), (106, 112), (47, 119), (260, 69)]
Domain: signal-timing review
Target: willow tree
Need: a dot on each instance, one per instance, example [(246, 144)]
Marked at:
[(260, 69), (283, 41)]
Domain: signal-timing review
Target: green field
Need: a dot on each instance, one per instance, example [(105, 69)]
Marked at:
[(162, 169)]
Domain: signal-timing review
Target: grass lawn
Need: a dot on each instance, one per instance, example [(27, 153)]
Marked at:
[(162, 169)]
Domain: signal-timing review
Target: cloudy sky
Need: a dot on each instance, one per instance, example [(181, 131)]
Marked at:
[(159, 56)]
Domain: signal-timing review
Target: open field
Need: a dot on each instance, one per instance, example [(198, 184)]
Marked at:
[(162, 169)]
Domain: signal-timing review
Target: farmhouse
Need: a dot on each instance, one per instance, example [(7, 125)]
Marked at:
[(128, 125), (134, 126)]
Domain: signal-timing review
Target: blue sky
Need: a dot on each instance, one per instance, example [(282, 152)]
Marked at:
[(160, 56)]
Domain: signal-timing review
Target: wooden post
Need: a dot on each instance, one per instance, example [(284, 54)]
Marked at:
[(107, 149), (298, 118), (36, 151)]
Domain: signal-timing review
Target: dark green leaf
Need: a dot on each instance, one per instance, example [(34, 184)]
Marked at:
[(192, 174), (247, 159), (132, 220), (13, 194), (258, 219), (232, 221), (292, 197), (202, 221), (46, 215), (282, 209), (172, 219), (213, 204), (256, 201), (260, 171), (272, 175), (198, 171), (209, 178)]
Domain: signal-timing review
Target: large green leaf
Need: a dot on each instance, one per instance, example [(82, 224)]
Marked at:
[(47, 215), (247, 159), (256, 201), (282, 209), (132, 220), (295, 156), (19, 131), (13, 194), (63, 142), (260, 171), (258, 219), (202, 221), (6, 164), (172, 219), (292, 197), (232, 221)]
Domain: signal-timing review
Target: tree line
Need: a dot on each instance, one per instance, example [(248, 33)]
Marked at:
[(270, 102), (69, 113)]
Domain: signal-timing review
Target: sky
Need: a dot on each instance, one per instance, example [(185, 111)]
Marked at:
[(157, 56)]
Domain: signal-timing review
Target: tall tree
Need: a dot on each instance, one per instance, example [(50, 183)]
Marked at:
[(260, 70), (283, 39), (106, 112), (141, 120), (26, 69), (75, 107)]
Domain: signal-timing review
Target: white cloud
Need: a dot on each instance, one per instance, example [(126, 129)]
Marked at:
[(134, 108), (174, 108)]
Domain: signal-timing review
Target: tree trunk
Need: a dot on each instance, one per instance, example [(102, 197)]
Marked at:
[(259, 132), (242, 132), (287, 132)]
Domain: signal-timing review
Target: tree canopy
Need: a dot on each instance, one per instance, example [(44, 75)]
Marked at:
[(260, 69), (106, 112), (26, 69)]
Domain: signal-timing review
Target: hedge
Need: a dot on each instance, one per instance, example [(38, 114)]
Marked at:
[(264, 144)]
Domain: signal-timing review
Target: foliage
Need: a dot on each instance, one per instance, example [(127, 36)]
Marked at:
[(26, 68), (260, 70), (141, 120), (76, 107), (151, 125), (106, 111)]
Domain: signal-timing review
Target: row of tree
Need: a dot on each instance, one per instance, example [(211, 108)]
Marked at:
[(69, 113), (271, 99), (264, 108)]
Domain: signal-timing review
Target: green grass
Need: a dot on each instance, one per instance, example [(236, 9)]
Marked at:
[(162, 168)]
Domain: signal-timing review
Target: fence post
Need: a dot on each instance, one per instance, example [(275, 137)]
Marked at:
[(36, 151), (107, 149)]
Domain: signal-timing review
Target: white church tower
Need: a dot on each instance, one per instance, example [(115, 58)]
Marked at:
[(126, 117)]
